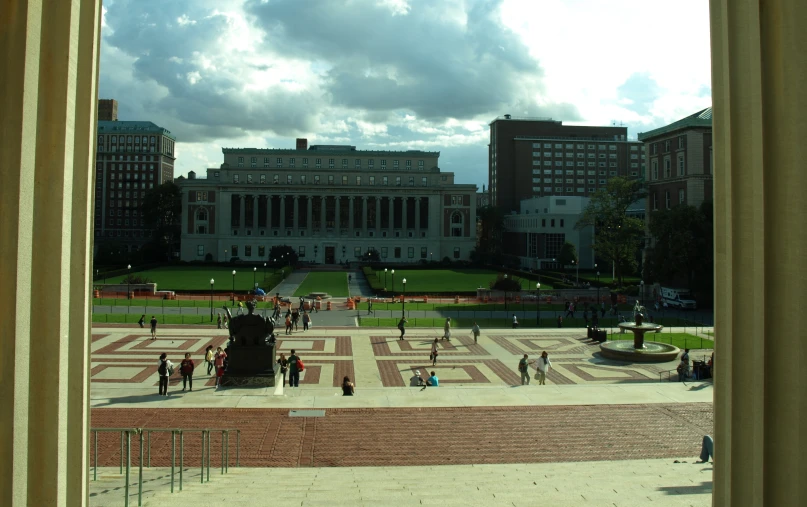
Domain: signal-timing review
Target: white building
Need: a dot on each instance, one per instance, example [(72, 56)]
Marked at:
[(330, 203), (537, 233)]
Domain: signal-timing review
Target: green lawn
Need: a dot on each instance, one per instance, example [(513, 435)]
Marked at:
[(525, 305), (125, 318), (180, 278), (445, 280), (680, 340), (332, 282), (171, 303)]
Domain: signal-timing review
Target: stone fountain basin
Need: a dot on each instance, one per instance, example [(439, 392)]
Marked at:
[(653, 352), (645, 327)]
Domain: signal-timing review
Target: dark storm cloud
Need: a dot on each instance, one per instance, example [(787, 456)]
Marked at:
[(422, 62)]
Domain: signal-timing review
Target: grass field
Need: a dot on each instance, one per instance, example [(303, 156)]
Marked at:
[(445, 280), (171, 303), (680, 340), (526, 305), (125, 318), (180, 278), (334, 283)]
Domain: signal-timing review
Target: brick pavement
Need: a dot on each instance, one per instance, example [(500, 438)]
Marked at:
[(423, 436)]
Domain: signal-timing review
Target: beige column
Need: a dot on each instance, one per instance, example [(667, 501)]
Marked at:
[(350, 212), (364, 202), (404, 202), (378, 216), (282, 215), (322, 211), (417, 217), (309, 216), (391, 217), (758, 77), (296, 217), (255, 211), (49, 76), (337, 214), (269, 213)]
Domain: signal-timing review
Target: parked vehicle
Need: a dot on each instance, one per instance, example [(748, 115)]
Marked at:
[(678, 298)]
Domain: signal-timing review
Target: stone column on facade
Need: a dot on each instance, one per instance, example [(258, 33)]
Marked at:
[(47, 153), (417, 217), (282, 215), (269, 212), (350, 225), (364, 216), (323, 223), (309, 216), (337, 214), (255, 199), (404, 224), (296, 216), (224, 219), (378, 215), (391, 217), (759, 127), (242, 211)]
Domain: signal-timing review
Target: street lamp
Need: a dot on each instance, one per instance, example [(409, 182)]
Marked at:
[(128, 281), (577, 273), (264, 271), (598, 287), (392, 272), (225, 255), (385, 279), (641, 292), (211, 299), (431, 254), (233, 287), (403, 299), (538, 306), (254, 270), (505, 297)]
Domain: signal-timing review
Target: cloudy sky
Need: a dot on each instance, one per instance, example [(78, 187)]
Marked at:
[(398, 74)]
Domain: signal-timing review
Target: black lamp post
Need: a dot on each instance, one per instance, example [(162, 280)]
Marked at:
[(431, 255), (211, 300), (128, 282), (641, 292), (392, 272), (505, 297), (233, 287), (385, 279), (598, 287), (538, 305), (264, 271), (403, 299), (254, 271)]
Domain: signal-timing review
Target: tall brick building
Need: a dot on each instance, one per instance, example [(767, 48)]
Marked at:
[(535, 157), (132, 157)]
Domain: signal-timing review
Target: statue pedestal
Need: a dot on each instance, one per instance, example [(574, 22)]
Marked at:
[(250, 366)]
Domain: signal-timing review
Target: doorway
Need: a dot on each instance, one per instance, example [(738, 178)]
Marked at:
[(330, 254)]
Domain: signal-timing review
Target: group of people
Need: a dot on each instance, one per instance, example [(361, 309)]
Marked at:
[(153, 322), (542, 366), (165, 368), (293, 318)]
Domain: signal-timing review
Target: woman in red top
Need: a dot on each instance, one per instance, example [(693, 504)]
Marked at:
[(218, 360), (186, 369)]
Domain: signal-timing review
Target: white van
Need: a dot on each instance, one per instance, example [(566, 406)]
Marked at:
[(678, 298)]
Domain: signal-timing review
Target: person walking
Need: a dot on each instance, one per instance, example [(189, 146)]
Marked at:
[(164, 370), (447, 329), (515, 321), (602, 309), (284, 366), (186, 369), (295, 318), (218, 359), (369, 307), (209, 358), (288, 324), (153, 327), (475, 331), (570, 310), (294, 369), (402, 327), (347, 387), (433, 354), (560, 321), (543, 365), (523, 368), (218, 321), (306, 320), (142, 321), (240, 307), (683, 366)]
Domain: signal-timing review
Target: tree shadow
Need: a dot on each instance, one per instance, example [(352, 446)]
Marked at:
[(700, 489)]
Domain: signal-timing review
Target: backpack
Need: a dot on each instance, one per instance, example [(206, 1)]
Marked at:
[(170, 370), (400, 325), (161, 368), (300, 365)]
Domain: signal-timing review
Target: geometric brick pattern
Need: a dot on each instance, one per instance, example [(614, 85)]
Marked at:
[(390, 436), (421, 345), (341, 345), (395, 373)]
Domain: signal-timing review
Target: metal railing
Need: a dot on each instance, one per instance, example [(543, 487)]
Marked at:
[(126, 444)]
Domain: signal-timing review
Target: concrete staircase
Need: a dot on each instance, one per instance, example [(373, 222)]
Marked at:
[(611, 483)]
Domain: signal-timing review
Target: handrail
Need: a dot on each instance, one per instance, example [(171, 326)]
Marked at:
[(205, 434)]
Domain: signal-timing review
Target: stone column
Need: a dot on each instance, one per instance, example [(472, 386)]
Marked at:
[(47, 150), (758, 75), (364, 217), (269, 213), (337, 214), (391, 217), (350, 224), (255, 211), (378, 216), (296, 217), (404, 203), (282, 215), (225, 212), (242, 211), (309, 217), (417, 217), (322, 214)]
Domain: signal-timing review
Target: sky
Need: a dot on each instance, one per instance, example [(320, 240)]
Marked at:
[(398, 74)]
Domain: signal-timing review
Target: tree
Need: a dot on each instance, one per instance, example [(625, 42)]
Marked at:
[(567, 254), (282, 255), (162, 211), (372, 256), (682, 247), (617, 236), (491, 221)]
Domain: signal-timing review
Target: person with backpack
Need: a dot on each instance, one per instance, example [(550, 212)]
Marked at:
[(402, 327), (295, 367), (475, 331), (142, 321), (153, 327), (295, 318), (218, 360), (209, 358), (186, 369), (165, 369), (523, 365)]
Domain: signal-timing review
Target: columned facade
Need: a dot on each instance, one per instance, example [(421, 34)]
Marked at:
[(759, 127), (48, 90)]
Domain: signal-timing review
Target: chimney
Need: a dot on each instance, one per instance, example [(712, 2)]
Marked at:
[(107, 110), (507, 117), (302, 143)]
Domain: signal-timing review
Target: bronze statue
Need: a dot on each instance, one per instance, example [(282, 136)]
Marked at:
[(250, 329)]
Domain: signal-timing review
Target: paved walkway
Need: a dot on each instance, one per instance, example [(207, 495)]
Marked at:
[(289, 286)]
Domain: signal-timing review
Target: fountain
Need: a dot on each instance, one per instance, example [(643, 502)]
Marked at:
[(639, 350)]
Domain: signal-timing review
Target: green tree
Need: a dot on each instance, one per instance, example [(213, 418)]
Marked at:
[(617, 236), (162, 211), (567, 255), (282, 255)]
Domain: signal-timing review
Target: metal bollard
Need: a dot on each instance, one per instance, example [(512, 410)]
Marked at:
[(121, 452), (148, 448), (202, 471), (222, 452), (128, 465), (237, 448), (95, 468), (140, 471), (173, 458), (208, 456), (181, 456)]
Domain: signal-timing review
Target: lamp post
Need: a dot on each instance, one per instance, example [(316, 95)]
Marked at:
[(505, 297), (403, 299), (211, 299), (233, 287), (641, 292), (392, 272), (264, 271), (128, 282), (385, 279), (225, 255), (254, 271), (598, 287), (431, 256), (538, 306)]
